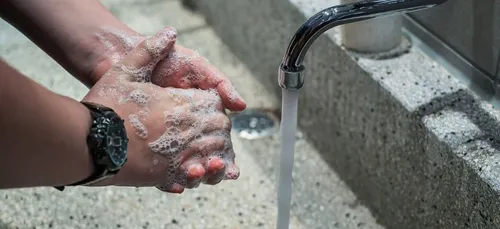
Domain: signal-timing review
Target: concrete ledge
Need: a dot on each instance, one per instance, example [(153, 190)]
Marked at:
[(414, 144)]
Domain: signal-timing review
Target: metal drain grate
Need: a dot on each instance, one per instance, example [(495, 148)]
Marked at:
[(255, 123)]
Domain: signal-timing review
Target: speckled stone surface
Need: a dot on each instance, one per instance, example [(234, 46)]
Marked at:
[(321, 199), (412, 141)]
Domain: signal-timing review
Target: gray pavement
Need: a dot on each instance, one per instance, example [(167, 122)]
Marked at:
[(321, 199)]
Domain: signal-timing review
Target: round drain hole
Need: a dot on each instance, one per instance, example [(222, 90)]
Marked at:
[(254, 123)]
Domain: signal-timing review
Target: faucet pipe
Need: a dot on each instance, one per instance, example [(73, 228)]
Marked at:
[(291, 69)]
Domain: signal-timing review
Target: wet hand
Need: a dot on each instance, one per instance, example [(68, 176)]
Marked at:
[(178, 138), (181, 68), (185, 68)]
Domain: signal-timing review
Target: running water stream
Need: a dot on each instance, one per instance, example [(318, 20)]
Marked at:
[(290, 75), (288, 130)]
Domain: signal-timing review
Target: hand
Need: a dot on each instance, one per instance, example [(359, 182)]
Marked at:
[(178, 138), (182, 67)]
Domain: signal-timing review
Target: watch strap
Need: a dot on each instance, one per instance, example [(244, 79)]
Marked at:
[(99, 174)]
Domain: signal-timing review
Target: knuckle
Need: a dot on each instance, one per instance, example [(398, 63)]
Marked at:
[(224, 123), (228, 125)]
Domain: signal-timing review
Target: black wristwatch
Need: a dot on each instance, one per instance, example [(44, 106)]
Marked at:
[(107, 142)]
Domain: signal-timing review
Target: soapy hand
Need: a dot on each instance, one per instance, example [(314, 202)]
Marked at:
[(181, 68), (178, 138)]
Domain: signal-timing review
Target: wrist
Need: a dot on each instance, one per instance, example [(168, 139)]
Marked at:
[(81, 166), (107, 144)]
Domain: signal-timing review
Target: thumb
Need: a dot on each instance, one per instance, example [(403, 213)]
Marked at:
[(140, 62)]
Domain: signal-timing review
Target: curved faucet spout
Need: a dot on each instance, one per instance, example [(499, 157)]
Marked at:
[(291, 68)]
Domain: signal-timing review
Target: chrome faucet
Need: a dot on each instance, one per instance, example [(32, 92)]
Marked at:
[(291, 69)]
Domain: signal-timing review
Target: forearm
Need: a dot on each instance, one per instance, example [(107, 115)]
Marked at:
[(42, 135), (64, 29)]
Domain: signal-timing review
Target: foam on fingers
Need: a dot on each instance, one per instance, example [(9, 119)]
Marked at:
[(143, 58), (179, 67), (232, 172), (194, 140), (185, 68)]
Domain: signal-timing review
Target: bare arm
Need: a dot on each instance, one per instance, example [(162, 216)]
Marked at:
[(68, 30), (64, 29), (42, 135)]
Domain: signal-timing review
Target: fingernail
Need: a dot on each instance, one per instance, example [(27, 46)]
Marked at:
[(215, 164), (195, 171), (233, 172), (175, 188), (168, 32)]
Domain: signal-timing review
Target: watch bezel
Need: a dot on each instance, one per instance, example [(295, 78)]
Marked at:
[(107, 127), (116, 160)]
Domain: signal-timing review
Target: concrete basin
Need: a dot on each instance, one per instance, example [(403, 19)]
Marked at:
[(411, 140), (321, 197)]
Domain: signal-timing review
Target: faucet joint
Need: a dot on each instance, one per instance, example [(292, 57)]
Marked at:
[(291, 79)]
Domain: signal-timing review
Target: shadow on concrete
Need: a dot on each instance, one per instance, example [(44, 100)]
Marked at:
[(5, 226), (189, 5), (461, 101)]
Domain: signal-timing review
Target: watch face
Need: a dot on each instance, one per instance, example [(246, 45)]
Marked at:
[(117, 141)]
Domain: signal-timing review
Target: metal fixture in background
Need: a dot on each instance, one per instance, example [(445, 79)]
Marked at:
[(497, 75), (478, 80), (291, 69), (376, 36)]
